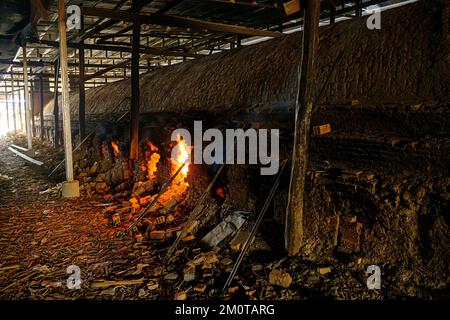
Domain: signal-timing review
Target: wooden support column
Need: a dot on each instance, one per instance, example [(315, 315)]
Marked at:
[(33, 87), (27, 99), (13, 94), (56, 107), (81, 88), (358, 8), (20, 109), (7, 105), (41, 106), (70, 188), (82, 94), (303, 110), (135, 92), (332, 13)]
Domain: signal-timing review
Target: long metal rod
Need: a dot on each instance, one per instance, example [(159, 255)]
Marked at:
[(27, 99), (65, 90), (254, 228), (161, 192)]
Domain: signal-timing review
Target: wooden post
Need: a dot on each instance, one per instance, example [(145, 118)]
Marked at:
[(13, 100), (7, 105), (56, 106), (303, 110), (135, 92), (65, 90), (32, 87), (41, 105), (81, 90), (70, 187), (358, 8), (27, 99), (20, 108), (332, 13)]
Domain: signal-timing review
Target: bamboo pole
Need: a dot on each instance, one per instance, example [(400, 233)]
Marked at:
[(307, 73)]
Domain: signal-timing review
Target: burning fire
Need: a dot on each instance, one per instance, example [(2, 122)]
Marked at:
[(154, 159), (115, 146), (152, 146), (151, 165), (182, 155)]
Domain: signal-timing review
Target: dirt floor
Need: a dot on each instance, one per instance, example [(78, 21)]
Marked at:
[(42, 235)]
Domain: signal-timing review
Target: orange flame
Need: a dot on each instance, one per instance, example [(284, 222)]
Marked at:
[(153, 161), (115, 147), (152, 146), (182, 155), (151, 165)]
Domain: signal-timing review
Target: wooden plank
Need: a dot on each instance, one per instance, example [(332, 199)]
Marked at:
[(250, 3), (24, 156), (106, 284), (178, 21), (19, 148), (144, 50)]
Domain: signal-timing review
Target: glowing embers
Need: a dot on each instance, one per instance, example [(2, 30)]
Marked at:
[(153, 161)]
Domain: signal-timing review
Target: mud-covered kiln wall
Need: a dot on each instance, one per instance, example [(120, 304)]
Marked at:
[(404, 61)]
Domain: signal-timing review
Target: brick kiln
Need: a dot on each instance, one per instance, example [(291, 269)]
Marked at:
[(378, 186)]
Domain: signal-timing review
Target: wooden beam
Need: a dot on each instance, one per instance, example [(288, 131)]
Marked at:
[(144, 50), (307, 75), (251, 3), (97, 74), (178, 21)]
